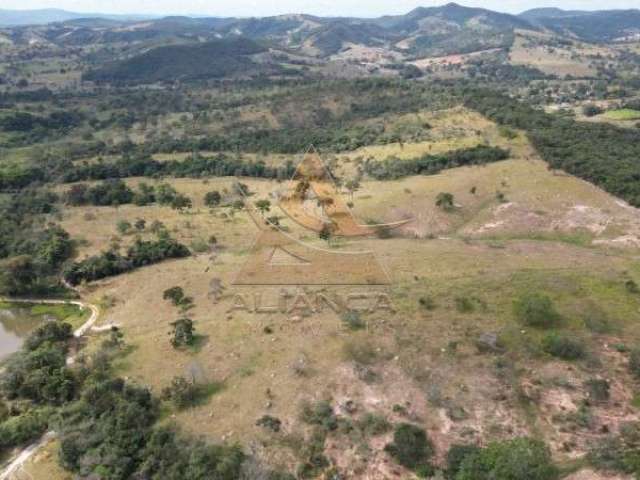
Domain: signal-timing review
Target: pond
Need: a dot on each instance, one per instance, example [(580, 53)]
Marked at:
[(17, 321)]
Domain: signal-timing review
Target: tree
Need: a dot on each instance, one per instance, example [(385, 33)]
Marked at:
[(352, 186), (17, 275), (182, 333), (181, 392), (165, 194), (411, 447), (263, 205), (212, 199), (445, 201), (181, 202), (140, 224), (326, 233), (175, 294)]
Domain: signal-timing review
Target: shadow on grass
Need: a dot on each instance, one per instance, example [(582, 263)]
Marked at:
[(205, 391), (199, 342)]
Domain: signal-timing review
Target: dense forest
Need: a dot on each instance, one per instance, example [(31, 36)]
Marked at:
[(603, 154), (213, 59)]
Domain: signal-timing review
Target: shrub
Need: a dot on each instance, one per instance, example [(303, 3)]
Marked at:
[(562, 347), (123, 227), (428, 303), (372, 424), (181, 392), (140, 224), (631, 286), (212, 199), (464, 304), (182, 333), (410, 447), (619, 453), (456, 456), (175, 294), (516, 459), (351, 319), (181, 202), (24, 428), (270, 423), (445, 201), (536, 310), (319, 413)]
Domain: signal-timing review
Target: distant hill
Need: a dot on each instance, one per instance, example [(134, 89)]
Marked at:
[(51, 15), (453, 28), (538, 13), (213, 59), (450, 29), (598, 26)]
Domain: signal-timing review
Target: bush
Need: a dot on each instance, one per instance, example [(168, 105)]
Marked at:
[(23, 428), (181, 392), (372, 424), (352, 320), (410, 447), (428, 303), (212, 199), (175, 294), (123, 227), (517, 459), (620, 453), (270, 423), (464, 304), (445, 201), (631, 286), (182, 333), (319, 413), (456, 456), (562, 347), (536, 310)]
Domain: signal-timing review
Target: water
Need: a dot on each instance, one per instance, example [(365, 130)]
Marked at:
[(16, 323)]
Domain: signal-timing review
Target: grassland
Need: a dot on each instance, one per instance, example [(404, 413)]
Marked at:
[(549, 232), (623, 114), (536, 50)]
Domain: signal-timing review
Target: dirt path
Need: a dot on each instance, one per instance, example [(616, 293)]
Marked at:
[(17, 463)]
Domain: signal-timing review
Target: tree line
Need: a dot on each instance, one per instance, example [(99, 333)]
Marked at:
[(394, 168), (603, 154)]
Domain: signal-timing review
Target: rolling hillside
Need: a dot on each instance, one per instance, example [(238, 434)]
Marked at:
[(214, 59)]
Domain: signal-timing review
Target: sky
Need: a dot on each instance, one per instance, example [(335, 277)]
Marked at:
[(245, 8)]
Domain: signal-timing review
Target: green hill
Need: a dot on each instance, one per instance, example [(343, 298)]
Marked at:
[(213, 59)]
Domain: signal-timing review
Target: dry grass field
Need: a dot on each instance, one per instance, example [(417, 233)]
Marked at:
[(547, 232), (532, 49)]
